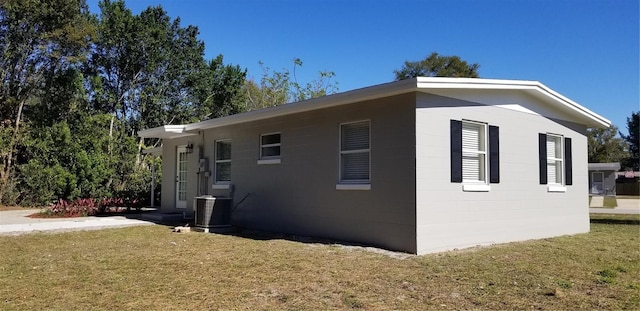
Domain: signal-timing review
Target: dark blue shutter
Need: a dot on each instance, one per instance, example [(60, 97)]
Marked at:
[(542, 157), (456, 151), (494, 154), (568, 170)]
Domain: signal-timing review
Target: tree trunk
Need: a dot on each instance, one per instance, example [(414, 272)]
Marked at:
[(139, 154), (8, 161)]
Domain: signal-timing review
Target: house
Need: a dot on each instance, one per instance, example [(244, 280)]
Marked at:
[(419, 165), (602, 178)]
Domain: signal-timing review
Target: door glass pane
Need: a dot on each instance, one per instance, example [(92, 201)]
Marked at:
[(597, 177), (181, 186)]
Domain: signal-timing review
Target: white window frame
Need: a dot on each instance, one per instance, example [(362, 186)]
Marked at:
[(270, 159), (553, 185), (355, 184), (220, 184), (483, 184)]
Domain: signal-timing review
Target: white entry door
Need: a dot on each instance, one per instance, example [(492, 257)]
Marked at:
[(181, 177), (597, 183)]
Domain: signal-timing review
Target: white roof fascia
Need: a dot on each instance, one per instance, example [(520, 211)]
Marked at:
[(363, 94), (592, 118), (165, 131), (384, 90)]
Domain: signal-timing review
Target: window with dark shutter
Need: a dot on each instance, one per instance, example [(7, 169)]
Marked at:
[(555, 161), (475, 154)]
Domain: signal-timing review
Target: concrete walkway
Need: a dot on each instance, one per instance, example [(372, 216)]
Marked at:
[(17, 222), (596, 201), (625, 206)]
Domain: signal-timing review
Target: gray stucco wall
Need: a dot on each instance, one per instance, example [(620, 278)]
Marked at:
[(517, 208), (299, 196)]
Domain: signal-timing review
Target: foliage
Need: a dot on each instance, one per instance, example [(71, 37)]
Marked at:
[(76, 88), (633, 127), (38, 39), (604, 146), (436, 65), (88, 206), (281, 87), (76, 208)]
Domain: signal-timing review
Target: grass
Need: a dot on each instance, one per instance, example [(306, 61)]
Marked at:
[(609, 202), (152, 268), (628, 196)]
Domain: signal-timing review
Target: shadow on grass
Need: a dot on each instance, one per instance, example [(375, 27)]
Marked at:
[(615, 220)]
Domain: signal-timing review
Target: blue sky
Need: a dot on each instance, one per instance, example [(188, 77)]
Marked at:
[(587, 50)]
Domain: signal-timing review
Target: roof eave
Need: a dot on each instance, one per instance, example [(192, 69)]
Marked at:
[(587, 116), (165, 131), (363, 94)]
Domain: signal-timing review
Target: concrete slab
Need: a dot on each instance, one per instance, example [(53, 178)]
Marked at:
[(596, 201), (17, 222), (628, 203)]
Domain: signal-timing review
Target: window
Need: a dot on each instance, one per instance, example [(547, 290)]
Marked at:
[(355, 154), (554, 159), (474, 152), (269, 148), (223, 162)]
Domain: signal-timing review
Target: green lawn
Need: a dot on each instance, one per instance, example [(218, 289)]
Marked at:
[(152, 268), (609, 202)]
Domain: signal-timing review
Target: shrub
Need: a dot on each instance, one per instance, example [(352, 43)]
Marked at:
[(89, 206), (76, 208)]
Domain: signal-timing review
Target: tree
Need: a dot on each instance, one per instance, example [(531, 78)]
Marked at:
[(281, 87), (633, 127), (147, 70), (75, 89), (38, 39), (219, 89), (435, 65), (604, 146)]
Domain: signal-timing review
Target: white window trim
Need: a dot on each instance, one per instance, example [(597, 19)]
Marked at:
[(553, 185), (265, 159), (353, 187), (556, 189), (471, 184), (353, 184), (476, 188), (221, 186), (216, 161), (269, 161)]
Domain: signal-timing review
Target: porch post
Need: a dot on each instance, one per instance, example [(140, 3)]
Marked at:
[(153, 184)]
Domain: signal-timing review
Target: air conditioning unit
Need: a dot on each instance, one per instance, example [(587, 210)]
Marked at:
[(212, 212)]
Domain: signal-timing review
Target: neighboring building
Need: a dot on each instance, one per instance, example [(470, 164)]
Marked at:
[(420, 165), (602, 178)]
